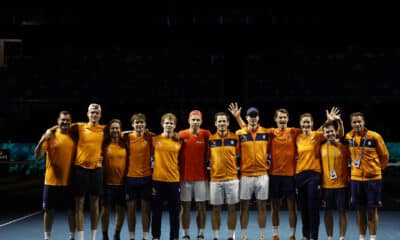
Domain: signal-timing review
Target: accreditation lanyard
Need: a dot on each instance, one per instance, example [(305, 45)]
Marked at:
[(363, 141), (334, 157)]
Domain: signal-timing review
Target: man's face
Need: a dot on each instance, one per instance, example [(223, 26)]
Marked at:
[(64, 122), (94, 115), (139, 125), (169, 125), (281, 120), (252, 120), (195, 121), (115, 130), (357, 123), (222, 123), (329, 133)]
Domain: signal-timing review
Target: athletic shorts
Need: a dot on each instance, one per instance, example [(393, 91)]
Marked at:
[(138, 188), (224, 192), (334, 198), (197, 190), (87, 181), (366, 193), (57, 197), (113, 195), (281, 186), (258, 185)]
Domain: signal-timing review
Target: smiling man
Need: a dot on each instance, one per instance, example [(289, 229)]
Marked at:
[(369, 156)]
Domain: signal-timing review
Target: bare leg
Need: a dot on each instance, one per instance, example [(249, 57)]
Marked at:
[(48, 219), (79, 216), (94, 211), (131, 212), (373, 220), (361, 220), (342, 222), (329, 223), (186, 215), (201, 215)]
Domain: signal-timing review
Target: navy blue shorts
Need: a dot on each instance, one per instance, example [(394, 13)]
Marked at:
[(366, 193), (113, 195), (57, 197), (334, 198), (138, 188), (87, 181), (281, 186)]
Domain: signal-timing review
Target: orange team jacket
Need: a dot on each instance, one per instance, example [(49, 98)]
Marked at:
[(59, 158), (194, 155), (334, 157), (88, 153), (223, 151), (308, 151), (283, 151), (166, 159), (139, 164), (372, 152), (114, 164), (253, 151)]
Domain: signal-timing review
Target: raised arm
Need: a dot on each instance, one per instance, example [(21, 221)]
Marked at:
[(235, 110)]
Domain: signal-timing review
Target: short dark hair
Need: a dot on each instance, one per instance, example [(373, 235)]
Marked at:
[(221, 114), (138, 116), (357, 114), (328, 124), (281, 110), (64, 112)]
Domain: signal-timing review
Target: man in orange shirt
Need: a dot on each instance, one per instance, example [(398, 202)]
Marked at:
[(369, 156), (166, 177), (224, 183), (138, 176), (59, 148), (335, 179), (253, 170), (194, 180), (87, 176)]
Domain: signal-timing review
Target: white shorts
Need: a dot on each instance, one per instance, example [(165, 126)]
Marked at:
[(259, 185), (194, 189), (226, 190)]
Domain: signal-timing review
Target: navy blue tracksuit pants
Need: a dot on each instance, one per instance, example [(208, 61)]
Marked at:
[(308, 184), (166, 192)]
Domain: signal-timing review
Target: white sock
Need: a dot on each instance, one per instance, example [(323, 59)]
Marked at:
[(292, 231), (230, 233), (341, 238), (47, 235), (330, 238), (132, 235), (262, 231), (186, 232), (372, 237), (72, 235), (275, 230), (244, 232), (93, 234), (201, 231), (81, 235), (362, 237), (216, 233), (145, 235)]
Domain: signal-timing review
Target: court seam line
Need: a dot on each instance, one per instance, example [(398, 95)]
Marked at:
[(20, 219)]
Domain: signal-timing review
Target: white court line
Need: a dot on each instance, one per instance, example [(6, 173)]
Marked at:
[(19, 219)]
